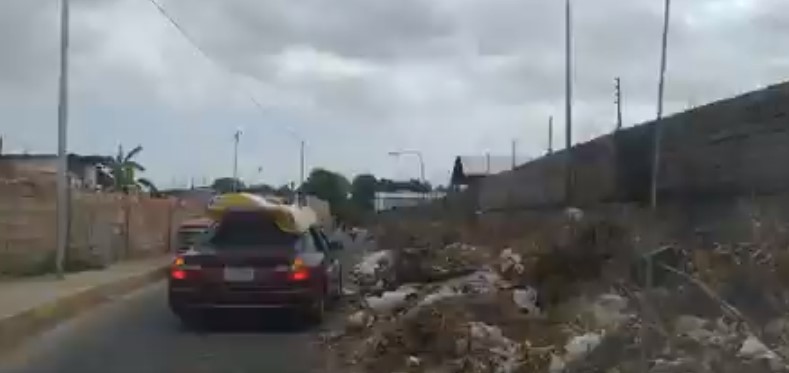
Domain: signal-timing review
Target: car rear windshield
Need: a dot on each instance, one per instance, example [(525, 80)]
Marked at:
[(250, 229), (190, 237)]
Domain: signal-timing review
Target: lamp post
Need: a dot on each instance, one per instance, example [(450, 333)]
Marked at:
[(236, 139), (421, 165), (657, 137), (568, 106), (421, 161), (62, 169)]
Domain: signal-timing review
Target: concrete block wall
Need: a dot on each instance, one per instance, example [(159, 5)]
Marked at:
[(733, 147), (98, 234)]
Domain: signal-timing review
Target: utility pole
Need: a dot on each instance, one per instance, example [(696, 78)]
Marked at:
[(568, 107), (658, 126), (618, 93), (62, 169), (301, 170), (550, 134), (236, 139), (514, 160)]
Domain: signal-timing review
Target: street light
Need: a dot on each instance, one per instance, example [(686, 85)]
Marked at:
[(421, 161), (62, 169), (236, 139), (658, 126)]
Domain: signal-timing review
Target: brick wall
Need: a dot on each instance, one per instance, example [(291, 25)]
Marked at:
[(105, 228)]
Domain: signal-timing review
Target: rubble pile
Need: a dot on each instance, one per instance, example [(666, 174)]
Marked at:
[(574, 302)]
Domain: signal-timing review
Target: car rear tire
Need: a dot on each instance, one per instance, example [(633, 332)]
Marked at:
[(315, 312), (338, 293), (191, 319)]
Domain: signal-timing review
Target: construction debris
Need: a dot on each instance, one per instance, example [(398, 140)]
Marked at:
[(564, 306)]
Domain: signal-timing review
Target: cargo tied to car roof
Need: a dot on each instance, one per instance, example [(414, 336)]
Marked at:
[(289, 218)]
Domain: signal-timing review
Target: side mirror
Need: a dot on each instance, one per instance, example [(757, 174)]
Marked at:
[(335, 245)]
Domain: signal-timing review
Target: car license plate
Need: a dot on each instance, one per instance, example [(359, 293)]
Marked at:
[(239, 274)]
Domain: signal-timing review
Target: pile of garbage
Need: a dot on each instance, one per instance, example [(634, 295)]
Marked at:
[(576, 304)]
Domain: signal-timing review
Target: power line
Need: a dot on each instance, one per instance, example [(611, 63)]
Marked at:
[(216, 63)]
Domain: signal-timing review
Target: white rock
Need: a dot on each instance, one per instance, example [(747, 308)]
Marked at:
[(491, 338), (359, 320), (373, 261), (479, 282), (526, 300), (608, 310), (753, 348), (686, 324), (390, 300), (510, 261), (574, 214), (696, 329), (580, 345), (557, 364)]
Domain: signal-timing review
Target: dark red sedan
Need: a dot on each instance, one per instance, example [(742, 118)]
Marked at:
[(247, 261)]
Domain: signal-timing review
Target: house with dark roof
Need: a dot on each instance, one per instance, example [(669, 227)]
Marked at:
[(468, 169)]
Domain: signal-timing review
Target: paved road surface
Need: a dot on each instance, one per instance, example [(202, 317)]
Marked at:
[(137, 334)]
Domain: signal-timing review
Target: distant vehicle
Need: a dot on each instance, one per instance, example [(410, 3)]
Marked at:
[(189, 232), (258, 255)]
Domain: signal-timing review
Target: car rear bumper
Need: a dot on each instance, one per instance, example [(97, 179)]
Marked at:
[(184, 298)]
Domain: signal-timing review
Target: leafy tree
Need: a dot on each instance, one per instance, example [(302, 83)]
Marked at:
[(227, 185), (413, 185), (124, 169), (363, 190), (328, 186)]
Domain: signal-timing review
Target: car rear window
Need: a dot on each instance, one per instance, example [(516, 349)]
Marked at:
[(190, 237), (250, 229)]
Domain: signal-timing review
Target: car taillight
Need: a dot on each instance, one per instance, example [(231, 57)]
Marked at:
[(299, 271), (178, 274), (180, 270)]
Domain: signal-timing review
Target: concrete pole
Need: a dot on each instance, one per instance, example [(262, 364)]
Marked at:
[(550, 135), (236, 138), (62, 169), (568, 106), (618, 88), (657, 138), (301, 171), (514, 153)]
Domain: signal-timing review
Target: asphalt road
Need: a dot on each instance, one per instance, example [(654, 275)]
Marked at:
[(137, 334)]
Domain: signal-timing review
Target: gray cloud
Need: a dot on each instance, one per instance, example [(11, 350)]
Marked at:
[(469, 75)]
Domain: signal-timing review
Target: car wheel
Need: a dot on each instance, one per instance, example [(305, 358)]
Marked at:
[(315, 312), (338, 292), (190, 319)]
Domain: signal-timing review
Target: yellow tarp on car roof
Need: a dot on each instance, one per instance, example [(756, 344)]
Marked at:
[(289, 218)]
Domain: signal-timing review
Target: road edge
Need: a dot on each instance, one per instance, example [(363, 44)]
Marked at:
[(15, 329)]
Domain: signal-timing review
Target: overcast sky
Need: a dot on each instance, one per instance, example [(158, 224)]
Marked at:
[(356, 79)]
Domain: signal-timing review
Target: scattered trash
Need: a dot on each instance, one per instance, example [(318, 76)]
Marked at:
[(578, 346), (430, 304), (359, 320), (391, 300), (526, 300), (374, 262)]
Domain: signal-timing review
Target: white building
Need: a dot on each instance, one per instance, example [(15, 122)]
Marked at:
[(392, 200)]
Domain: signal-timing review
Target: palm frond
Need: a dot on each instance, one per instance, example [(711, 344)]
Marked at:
[(134, 166), (137, 149), (148, 185)]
